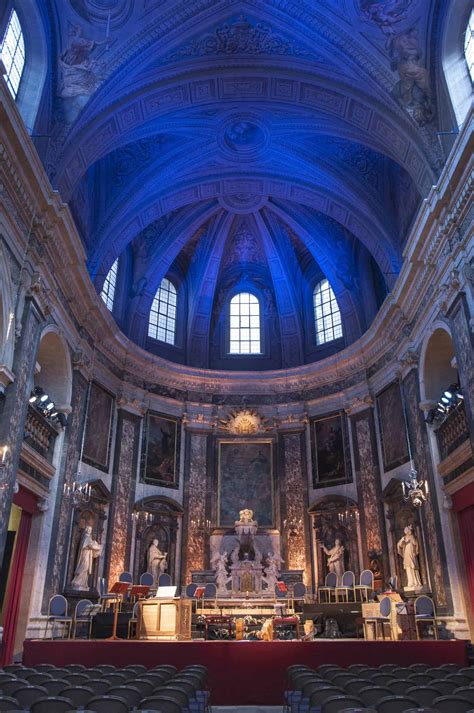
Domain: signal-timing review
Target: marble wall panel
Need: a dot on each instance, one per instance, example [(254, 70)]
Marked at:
[(14, 408), (368, 484), (429, 513), (120, 522), (194, 541), (295, 498)]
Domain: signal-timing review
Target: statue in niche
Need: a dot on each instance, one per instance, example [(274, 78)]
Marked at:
[(157, 561), (335, 557), (272, 570), (408, 548), (222, 577), (89, 551)]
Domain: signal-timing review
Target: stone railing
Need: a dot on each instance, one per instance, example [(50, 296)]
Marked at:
[(40, 434), (452, 432)]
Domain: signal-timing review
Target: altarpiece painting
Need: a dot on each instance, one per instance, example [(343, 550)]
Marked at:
[(245, 477), (392, 427), (98, 427), (331, 461)]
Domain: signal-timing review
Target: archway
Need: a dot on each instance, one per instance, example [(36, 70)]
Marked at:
[(54, 373), (157, 518)]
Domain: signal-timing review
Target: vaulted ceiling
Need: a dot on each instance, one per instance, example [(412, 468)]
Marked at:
[(267, 143)]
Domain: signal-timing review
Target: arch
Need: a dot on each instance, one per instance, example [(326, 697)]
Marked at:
[(455, 69), (30, 90), (327, 315), (437, 371), (54, 374)]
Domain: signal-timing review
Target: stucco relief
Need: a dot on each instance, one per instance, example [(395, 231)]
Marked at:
[(294, 488), (119, 528), (419, 447), (196, 511), (367, 475)]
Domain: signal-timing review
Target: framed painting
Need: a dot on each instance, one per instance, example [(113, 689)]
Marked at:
[(160, 450), (392, 427), (245, 480), (330, 448), (98, 427)]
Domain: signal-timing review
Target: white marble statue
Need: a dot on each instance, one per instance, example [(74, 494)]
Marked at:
[(89, 551), (407, 547), (272, 570), (335, 559), (156, 560), (222, 576)]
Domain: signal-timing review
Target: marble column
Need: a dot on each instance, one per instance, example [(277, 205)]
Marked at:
[(14, 409), (369, 489), (429, 511), (66, 474), (463, 339), (195, 556), (295, 503), (119, 537)]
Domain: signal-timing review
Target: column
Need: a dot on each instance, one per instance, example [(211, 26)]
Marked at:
[(369, 489), (14, 409), (66, 474), (119, 538), (295, 501), (434, 544)]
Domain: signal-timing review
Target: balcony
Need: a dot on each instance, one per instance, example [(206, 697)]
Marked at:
[(40, 433)]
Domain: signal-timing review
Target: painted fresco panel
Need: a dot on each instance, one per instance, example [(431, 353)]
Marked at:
[(392, 427), (160, 450), (98, 427), (329, 451), (245, 474)]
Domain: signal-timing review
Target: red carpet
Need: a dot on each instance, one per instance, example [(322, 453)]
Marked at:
[(244, 672)]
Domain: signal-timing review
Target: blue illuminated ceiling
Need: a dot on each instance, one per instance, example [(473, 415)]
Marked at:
[(244, 143)]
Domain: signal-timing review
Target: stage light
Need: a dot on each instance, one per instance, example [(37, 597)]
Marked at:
[(44, 398), (49, 406), (445, 399), (448, 394)]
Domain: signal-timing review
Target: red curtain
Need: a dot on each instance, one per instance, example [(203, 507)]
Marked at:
[(466, 529), (14, 589)]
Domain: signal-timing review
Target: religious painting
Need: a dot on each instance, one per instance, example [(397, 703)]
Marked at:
[(392, 427), (331, 460), (160, 451), (245, 477), (98, 427)]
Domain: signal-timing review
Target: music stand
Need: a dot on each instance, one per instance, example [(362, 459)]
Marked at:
[(120, 589), (139, 591), (199, 594)]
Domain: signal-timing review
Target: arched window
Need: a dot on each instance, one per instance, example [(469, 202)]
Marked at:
[(469, 46), (13, 53), (162, 322), (108, 289), (244, 324), (327, 317)]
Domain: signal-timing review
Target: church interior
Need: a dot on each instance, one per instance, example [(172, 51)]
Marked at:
[(236, 355)]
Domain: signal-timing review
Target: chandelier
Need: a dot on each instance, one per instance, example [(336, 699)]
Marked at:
[(348, 517), (79, 493), (201, 525), (414, 490), (142, 517)]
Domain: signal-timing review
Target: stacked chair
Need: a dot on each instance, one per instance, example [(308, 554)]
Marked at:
[(104, 689), (385, 689)]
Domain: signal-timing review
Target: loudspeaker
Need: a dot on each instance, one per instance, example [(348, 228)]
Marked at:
[(102, 625)]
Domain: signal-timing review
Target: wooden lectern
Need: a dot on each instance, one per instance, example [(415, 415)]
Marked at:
[(164, 619)]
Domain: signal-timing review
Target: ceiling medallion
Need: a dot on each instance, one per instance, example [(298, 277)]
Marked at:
[(244, 422), (243, 136)]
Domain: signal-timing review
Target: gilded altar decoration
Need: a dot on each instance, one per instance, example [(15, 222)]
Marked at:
[(244, 422)]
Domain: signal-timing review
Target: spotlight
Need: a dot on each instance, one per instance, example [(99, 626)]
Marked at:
[(448, 394), (445, 399), (49, 406), (44, 398)]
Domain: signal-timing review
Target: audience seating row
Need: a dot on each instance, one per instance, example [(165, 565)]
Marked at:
[(104, 689), (385, 689)]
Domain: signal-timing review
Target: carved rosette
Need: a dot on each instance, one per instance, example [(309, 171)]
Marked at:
[(196, 510), (295, 488), (119, 529), (420, 449)]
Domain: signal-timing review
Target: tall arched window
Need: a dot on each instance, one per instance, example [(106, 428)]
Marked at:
[(13, 53), (327, 317), (108, 289), (162, 322), (469, 46), (244, 324)]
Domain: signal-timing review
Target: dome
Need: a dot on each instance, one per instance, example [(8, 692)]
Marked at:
[(239, 155)]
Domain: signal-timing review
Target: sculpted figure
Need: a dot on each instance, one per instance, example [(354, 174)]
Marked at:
[(222, 577), (89, 551), (335, 559), (407, 547), (272, 570), (156, 560)]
